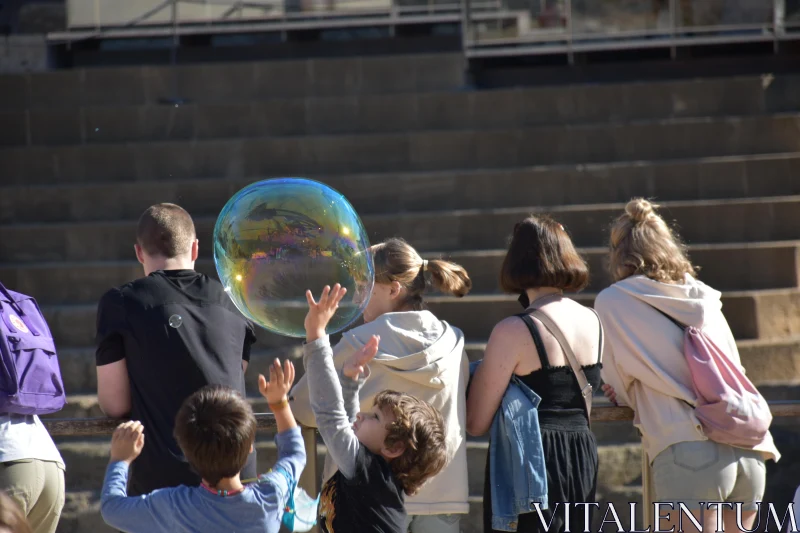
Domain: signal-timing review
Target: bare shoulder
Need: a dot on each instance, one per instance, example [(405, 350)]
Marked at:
[(509, 338), (578, 312), (510, 328), (509, 335)]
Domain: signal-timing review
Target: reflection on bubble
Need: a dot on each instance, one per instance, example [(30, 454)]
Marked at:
[(175, 321), (276, 238)]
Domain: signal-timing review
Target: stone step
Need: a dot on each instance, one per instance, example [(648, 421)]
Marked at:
[(750, 314), (232, 82), (767, 314), (702, 221), (301, 115), (776, 264), (82, 511), (771, 363), (693, 179), (403, 152), (87, 460)]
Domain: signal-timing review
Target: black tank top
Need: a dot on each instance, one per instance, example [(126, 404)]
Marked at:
[(562, 405)]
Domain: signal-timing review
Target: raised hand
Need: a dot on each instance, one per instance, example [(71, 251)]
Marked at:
[(355, 366), (319, 314), (280, 382), (127, 441)]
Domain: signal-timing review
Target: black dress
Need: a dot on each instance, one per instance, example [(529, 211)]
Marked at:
[(570, 449)]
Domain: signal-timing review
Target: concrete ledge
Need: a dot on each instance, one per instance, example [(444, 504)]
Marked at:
[(751, 315), (23, 54), (709, 221), (777, 264), (770, 364), (691, 179), (236, 117), (402, 152), (232, 82)]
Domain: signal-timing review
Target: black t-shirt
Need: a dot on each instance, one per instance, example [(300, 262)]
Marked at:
[(372, 501), (177, 331)]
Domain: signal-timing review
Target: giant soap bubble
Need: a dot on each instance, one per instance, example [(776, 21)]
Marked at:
[(276, 238)]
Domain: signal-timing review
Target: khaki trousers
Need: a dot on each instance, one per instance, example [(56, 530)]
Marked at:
[(38, 488)]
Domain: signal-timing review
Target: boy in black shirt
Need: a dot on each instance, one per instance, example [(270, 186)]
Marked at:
[(163, 337), (385, 453)]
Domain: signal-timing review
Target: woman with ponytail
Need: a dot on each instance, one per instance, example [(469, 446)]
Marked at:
[(655, 286), (420, 355)]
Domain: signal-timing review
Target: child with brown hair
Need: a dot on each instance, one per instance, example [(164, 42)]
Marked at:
[(420, 355), (381, 455), (215, 428)]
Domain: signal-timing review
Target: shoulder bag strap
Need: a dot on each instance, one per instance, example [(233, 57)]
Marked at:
[(11, 300), (583, 383), (600, 347)]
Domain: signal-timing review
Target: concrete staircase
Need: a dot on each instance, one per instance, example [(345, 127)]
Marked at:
[(83, 153)]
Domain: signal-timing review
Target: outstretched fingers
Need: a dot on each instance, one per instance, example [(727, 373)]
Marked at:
[(288, 373), (310, 299)]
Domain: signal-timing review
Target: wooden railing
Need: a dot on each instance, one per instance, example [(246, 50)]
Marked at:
[(85, 427)]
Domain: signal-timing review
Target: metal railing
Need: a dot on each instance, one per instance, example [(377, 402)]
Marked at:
[(489, 27), (525, 27), (87, 19), (310, 479)]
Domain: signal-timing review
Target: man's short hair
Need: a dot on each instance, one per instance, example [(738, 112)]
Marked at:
[(215, 428), (420, 429), (165, 230)]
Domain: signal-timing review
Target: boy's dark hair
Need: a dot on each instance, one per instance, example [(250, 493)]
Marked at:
[(541, 254), (420, 428), (215, 428), (166, 230)]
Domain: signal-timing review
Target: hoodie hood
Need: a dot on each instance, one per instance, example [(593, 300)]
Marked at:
[(689, 302), (415, 346)]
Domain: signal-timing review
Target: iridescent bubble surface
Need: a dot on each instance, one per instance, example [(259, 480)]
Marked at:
[(276, 238), (175, 321)]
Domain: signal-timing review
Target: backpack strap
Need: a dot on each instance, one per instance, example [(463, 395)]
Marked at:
[(682, 326), (583, 382), (16, 307), (600, 346), (11, 300)]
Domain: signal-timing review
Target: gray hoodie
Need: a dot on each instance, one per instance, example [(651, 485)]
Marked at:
[(423, 356)]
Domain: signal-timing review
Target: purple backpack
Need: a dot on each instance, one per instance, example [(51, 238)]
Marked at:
[(30, 378), (729, 407)]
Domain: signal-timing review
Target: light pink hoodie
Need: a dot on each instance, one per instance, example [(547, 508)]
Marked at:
[(643, 356)]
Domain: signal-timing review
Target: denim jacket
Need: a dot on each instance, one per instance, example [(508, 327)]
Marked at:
[(517, 469)]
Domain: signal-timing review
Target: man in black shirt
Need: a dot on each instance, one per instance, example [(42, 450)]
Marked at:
[(161, 338)]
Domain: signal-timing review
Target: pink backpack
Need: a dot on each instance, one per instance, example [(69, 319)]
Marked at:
[(729, 407)]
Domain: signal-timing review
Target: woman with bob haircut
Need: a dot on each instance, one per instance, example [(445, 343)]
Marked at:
[(540, 265), (645, 369)]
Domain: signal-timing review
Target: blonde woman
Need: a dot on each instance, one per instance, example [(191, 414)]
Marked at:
[(420, 355), (645, 369)]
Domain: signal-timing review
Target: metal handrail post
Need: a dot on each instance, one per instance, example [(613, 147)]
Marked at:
[(465, 26), (310, 479), (673, 28), (175, 99), (570, 53), (647, 494), (778, 22), (96, 15)]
